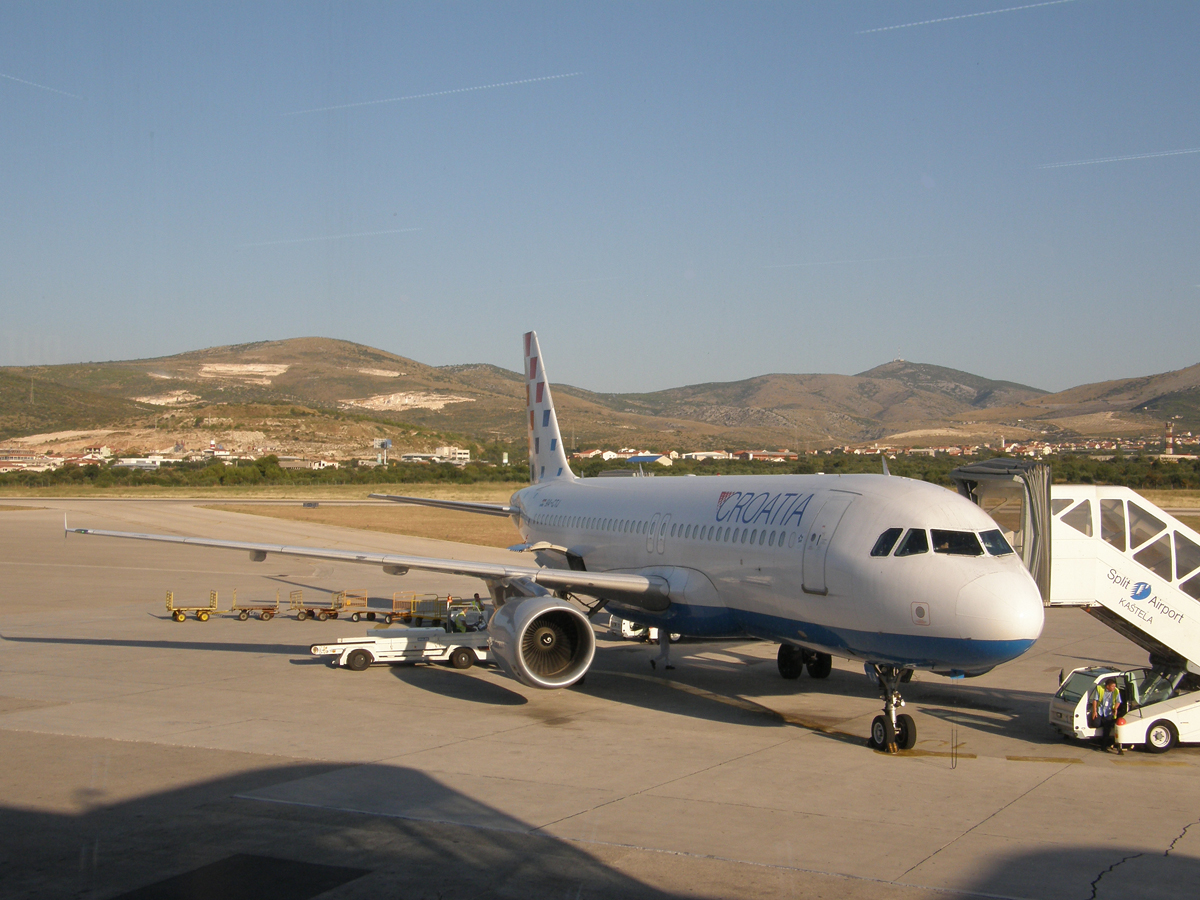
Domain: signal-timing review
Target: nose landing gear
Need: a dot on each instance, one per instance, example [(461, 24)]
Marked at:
[(893, 730)]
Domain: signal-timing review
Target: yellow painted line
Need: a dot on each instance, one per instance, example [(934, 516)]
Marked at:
[(1045, 759)]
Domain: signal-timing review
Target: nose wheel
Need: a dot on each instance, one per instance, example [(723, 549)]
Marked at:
[(894, 730)]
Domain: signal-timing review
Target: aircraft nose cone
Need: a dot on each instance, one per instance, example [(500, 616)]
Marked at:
[(1001, 606)]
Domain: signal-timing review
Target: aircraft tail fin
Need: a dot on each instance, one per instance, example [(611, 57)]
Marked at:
[(547, 456)]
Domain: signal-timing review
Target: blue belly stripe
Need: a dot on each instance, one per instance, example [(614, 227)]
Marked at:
[(920, 651)]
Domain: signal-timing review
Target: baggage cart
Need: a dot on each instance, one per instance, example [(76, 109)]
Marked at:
[(265, 611), (353, 605), (412, 608), (179, 613), (316, 611)]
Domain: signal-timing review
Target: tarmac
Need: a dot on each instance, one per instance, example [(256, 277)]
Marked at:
[(146, 758)]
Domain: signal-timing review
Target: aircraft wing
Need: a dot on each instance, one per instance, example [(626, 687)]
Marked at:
[(638, 590), (487, 509)]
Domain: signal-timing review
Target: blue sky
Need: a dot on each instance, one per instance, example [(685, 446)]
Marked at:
[(674, 193)]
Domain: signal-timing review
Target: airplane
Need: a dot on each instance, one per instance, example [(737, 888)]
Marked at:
[(895, 573)]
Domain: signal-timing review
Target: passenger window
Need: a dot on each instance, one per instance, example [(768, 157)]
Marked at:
[(1142, 526), (956, 543), (1080, 518), (1057, 506), (1156, 556), (995, 543), (914, 542), (886, 542), (1112, 522), (771, 540), (1187, 556)]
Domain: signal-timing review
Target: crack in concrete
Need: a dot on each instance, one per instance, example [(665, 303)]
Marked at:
[(1095, 885), (1180, 837), (1096, 881)]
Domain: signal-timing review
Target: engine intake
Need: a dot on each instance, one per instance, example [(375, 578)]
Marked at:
[(542, 641)]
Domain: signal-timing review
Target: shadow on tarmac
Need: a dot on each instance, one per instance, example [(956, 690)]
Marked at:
[(457, 686), (1092, 873), (411, 835)]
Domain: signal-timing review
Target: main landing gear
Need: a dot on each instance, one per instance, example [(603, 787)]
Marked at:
[(793, 660), (892, 731)]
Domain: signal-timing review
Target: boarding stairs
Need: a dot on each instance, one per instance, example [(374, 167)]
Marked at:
[(1131, 565)]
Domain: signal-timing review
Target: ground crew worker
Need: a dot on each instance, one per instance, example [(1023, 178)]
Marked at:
[(664, 651), (1106, 706)]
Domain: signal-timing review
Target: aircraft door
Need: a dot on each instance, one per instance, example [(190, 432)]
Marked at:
[(662, 532), (652, 534), (818, 537)]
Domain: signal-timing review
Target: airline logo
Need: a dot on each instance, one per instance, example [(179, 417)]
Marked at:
[(765, 508)]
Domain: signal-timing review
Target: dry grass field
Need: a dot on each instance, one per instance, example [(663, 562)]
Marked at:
[(487, 492), (396, 518)]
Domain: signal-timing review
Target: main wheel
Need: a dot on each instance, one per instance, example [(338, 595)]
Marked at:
[(906, 732), (1161, 737), (881, 733), (322, 616), (791, 661), (358, 660), (243, 616), (820, 665), (462, 658)]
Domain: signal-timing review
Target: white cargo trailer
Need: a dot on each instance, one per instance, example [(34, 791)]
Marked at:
[(461, 649)]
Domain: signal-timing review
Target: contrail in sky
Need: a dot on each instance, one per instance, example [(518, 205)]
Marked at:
[(481, 87), (331, 237), (40, 87), (1108, 159), (843, 262), (990, 12)]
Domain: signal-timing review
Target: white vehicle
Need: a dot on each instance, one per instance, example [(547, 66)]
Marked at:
[(461, 649), (895, 573), (632, 631), (1159, 708)]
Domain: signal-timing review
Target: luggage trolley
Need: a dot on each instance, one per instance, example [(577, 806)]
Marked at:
[(179, 613), (311, 610), (266, 611), (410, 608), (354, 605)]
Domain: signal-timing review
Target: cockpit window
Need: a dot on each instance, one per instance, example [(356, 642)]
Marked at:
[(914, 542), (956, 543), (886, 542), (995, 543)]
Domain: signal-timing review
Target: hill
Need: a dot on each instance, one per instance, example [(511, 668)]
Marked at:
[(323, 395)]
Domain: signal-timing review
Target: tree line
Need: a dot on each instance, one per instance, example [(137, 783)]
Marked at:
[(1135, 471)]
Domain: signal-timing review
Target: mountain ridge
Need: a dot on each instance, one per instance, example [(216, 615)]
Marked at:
[(896, 401)]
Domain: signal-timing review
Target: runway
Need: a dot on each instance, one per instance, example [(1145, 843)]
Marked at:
[(145, 756)]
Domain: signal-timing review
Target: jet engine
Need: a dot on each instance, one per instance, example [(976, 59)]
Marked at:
[(542, 641)]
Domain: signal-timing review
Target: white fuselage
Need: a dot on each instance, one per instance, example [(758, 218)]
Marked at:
[(789, 558)]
